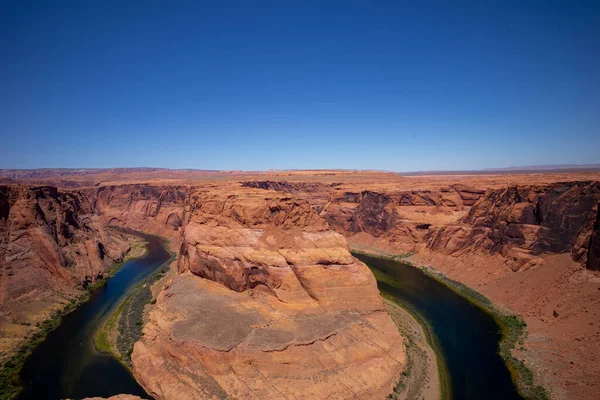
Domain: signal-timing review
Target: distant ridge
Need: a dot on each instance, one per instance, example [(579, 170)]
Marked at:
[(546, 167), (8, 175), (530, 169), (58, 172)]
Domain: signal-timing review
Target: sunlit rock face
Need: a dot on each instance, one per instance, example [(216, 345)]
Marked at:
[(269, 301), (52, 247), (155, 209), (523, 222), (50, 239)]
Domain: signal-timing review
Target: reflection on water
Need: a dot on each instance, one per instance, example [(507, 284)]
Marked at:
[(466, 336), (66, 364)]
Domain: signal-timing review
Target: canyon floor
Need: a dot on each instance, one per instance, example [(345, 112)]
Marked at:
[(529, 242)]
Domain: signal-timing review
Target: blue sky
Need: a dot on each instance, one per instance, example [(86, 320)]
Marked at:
[(257, 85)]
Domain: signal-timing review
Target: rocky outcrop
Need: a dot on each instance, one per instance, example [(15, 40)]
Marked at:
[(586, 246), (468, 195), (523, 222), (593, 261), (49, 236), (51, 247), (455, 196), (380, 213), (367, 211), (54, 242), (160, 210), (267, 300), (289, 187), (375, 214)]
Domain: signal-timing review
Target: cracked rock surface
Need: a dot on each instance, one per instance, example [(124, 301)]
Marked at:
[(268, 303)]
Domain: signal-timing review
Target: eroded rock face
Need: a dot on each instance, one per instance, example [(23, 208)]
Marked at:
[(150, 208), (523, 222), (51, 246), (268, 301), (396, 217), (54, 241), (375, 214), (290, 187), (468, 195), (49, 236), (593, 259)]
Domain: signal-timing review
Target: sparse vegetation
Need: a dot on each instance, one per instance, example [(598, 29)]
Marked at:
[(102, 339), (10, 385), (512, 327), (412, 349), (513, 330), (126, 323), (9, 375)]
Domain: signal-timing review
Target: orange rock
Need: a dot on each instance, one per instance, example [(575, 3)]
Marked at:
[(116, 397), (523, 222), (269, 301)]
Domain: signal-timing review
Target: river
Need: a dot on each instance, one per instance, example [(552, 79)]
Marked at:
[(465, 337), (66, 364)]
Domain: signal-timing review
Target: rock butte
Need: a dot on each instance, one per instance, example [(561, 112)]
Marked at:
[(283, 310), (268, 299)]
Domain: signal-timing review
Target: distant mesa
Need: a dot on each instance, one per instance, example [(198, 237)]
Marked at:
[(513, 170)]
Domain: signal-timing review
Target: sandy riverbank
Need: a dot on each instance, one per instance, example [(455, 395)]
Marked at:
[(421, 379)]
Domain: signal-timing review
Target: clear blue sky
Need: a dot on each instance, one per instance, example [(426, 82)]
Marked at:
[(299, 84)]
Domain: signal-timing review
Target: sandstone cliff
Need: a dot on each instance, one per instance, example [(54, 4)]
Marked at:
[(290, 187), (396, 218), (518, 222), (268, 302), (389, 215), (523, 222), (155, 209), (51, 247)]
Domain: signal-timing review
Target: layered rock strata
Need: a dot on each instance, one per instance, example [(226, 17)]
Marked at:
[(268, 303), (523, 222), (51, 247), (155, 209)]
